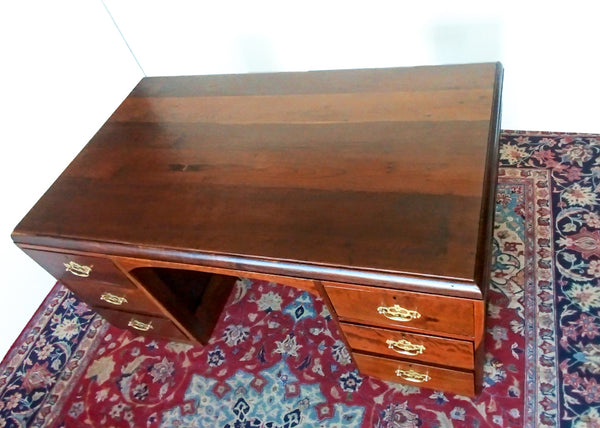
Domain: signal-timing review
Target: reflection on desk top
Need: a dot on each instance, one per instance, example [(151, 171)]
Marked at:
[(382, 172)]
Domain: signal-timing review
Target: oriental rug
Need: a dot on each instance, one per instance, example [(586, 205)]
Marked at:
[(277, 359)]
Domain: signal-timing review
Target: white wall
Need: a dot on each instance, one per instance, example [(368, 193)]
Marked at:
[(550, 53), (66, 67)]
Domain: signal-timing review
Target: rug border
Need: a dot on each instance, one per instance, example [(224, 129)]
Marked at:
[(20, 341), (513, 132)]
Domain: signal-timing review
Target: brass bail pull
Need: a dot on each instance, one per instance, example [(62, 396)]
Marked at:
[(413, 376), (77, 269), (113, 299), (398, 313), (139, 325), (405, 347)]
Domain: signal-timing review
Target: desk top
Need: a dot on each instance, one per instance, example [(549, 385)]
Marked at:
[(364, 176)]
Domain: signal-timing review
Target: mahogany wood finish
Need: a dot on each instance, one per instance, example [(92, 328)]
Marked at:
[(436, 313), (366, 187), (157, 326), (435, 349), (444, 379), (126, 299), (102, 270)]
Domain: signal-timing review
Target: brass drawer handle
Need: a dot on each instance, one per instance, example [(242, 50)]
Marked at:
[(138, 325), (398, 313), (405, 347), (113, 299), (413, 376), (77, 269)]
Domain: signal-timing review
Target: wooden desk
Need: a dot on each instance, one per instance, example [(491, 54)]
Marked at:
[(373, 189)]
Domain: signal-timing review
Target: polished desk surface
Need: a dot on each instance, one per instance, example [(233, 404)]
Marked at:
[(365, 176)]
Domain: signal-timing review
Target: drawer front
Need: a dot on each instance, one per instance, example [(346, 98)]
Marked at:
[(143, 324), (409, 346), (114, 297), (72, 269), (420, 375), (402, 309)]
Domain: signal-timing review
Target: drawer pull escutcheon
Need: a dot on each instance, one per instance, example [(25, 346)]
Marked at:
[(405, 347), (113, 299), (398, 313), (138, 325), (413, 376), (77, 269)]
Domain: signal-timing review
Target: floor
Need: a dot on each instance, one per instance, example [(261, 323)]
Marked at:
[(70, 64)]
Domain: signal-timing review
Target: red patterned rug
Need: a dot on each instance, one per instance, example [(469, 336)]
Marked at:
[(277, 360)]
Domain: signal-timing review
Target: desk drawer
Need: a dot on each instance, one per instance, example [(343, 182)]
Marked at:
[(73, 269), (108, 296), (143, 324), (410, 346), (420, 375), (412, 311)]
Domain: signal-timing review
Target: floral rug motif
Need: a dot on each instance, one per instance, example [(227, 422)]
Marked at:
[(574, 165), (276, 358)]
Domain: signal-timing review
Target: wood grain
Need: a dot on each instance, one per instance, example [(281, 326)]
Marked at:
[(103, 271), (442, 379), (129, 264), (136, 301), (362, 172), (415, 79), (437, 350), (450, 316), (368, 188), (450, 105), (161, 327)]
